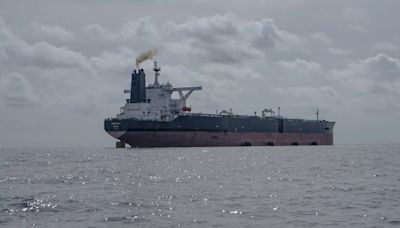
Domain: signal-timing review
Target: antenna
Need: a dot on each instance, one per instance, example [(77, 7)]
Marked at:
[(156, 74), (267, 110), (317, 113)]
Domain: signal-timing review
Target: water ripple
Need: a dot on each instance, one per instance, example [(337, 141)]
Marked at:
[(342, 186)]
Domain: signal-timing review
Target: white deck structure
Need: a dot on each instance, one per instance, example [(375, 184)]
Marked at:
[(159, 105)]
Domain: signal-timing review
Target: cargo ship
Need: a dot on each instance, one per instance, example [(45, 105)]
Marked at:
[(151, 117)]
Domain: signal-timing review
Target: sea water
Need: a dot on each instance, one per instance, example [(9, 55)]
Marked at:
[(303, 186)]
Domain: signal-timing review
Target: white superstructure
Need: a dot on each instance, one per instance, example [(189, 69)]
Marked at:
[(159, 104)]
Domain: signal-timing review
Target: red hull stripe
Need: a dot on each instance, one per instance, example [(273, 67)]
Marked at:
[(206, 139)]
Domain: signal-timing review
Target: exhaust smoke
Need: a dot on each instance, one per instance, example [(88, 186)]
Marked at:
[(145, 56)]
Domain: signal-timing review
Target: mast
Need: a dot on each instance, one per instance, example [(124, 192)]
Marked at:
[(156, 74)]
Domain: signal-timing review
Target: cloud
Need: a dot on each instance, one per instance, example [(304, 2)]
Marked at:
[(382, 68), (358, 28), (207, 28), (377, 74), (55, 31), (321, 37), (386, 47), (16, 91), (40, 54), (299, 73), (268, 36), (300, 65), (141, 28), (231, 72), (219, 38), (311, 94), (296, 55), (119, 61), (100, 30), (230, 39), (353, 14), (225, 39), (387, 89), (339, 51)]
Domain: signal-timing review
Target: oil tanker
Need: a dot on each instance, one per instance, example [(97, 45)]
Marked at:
[(151, 117)]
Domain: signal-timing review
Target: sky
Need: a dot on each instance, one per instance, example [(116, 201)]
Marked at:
[(64, 64)]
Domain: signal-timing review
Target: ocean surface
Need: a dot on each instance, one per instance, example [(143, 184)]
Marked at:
[(306, 186)]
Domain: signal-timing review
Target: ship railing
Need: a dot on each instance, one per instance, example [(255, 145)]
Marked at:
[(202, 114), (227, 115)]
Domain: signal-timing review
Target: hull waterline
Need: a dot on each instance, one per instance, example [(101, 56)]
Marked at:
[(213, 139)]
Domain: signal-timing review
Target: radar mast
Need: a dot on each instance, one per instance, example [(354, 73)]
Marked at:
[(156, 74)]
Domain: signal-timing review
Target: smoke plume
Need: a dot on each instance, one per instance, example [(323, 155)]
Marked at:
[(145, 56)]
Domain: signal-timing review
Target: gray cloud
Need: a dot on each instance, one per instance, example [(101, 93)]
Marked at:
[(133, 29), (339, 51), (118, 61), (229, 38), (358, 28), (299, 55), (311, 97), (207, 29), (321, 37), (301, 65), (40, 54), (54, 31), (16, 91), (382, 68), (371, 85), (385, 47), (372, 74)]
